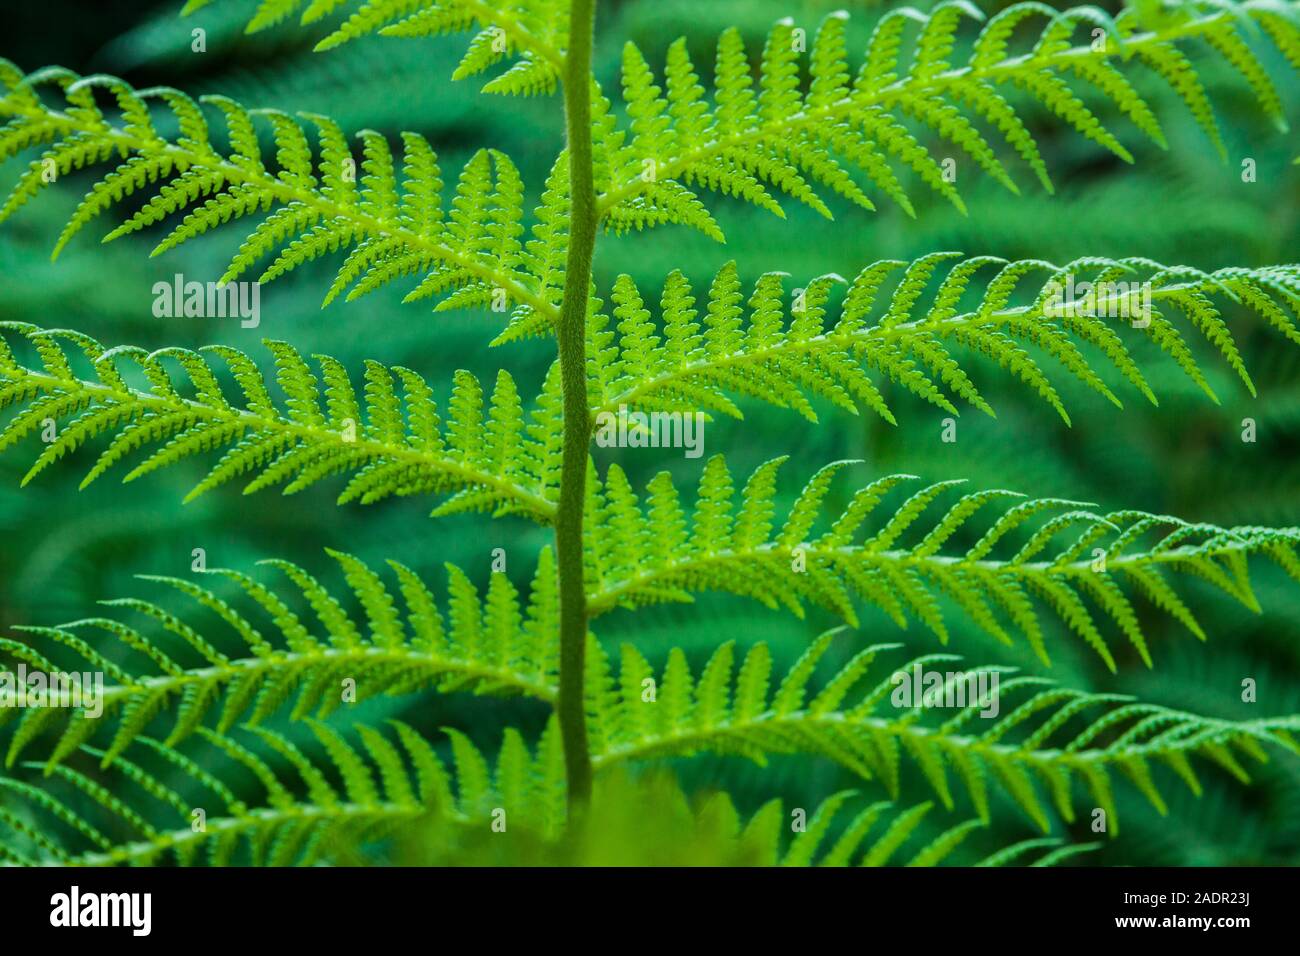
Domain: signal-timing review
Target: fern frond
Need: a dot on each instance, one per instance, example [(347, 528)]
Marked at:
[(71, 818), (319, 653), (1024, 732), (795, 137), (868, 836), (390, 229), (97, 824), (489, 458), (1038, 560), (840, 831), (1058, 852), (532, 34), (906, 322)]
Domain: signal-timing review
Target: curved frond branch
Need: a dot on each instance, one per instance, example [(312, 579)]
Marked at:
[(1030, 563), (487, 457), (324, 652), (842, 830), (532, 33), (391, 228), (785, 135), (305, 817), (347, 791), (923, 325), (983, 726)]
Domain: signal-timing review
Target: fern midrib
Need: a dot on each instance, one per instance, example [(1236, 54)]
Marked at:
[(254, 819), (799, 720), (571, 340), (858, 339), (432, 661), (608, 598), (535, 503), (907, 86), (286, 193)]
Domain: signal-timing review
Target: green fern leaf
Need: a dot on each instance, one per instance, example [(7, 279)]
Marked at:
[(532, 33), (792, 141), (1071, 563), (920, 337), (492, 647), (1018, 731), (492, 459), (378, 796), (390, 229)]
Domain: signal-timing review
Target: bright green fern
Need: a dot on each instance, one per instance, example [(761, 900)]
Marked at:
[(245, 683)]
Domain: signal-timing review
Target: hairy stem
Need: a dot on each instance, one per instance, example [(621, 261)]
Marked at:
[(572, 336)]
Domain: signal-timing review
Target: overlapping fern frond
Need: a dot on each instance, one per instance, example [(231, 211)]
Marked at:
[(391, 227), (1022, 733), (1038, 560), (317, 654), (534, 34), (488, 457), (926, 334), (841, 832), (326, 808), (304, 817), (496, 646), (794, 137)]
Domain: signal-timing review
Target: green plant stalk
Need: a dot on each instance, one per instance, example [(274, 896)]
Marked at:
[(572, 335)]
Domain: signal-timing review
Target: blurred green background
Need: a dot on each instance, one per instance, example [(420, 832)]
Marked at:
[(64, 549)]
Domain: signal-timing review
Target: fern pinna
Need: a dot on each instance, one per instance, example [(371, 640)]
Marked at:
[(191, 703)]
